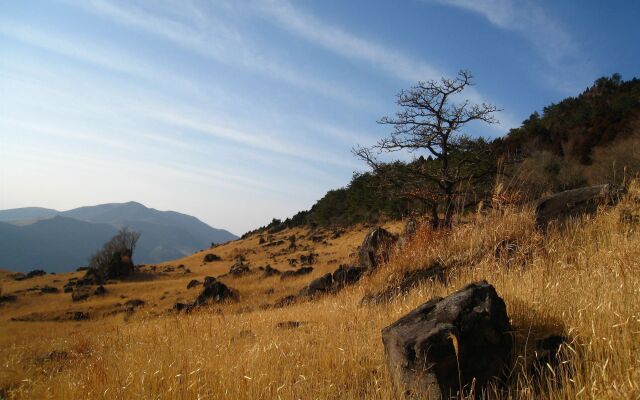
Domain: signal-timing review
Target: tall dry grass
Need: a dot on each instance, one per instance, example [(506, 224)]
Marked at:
[(582, 282)]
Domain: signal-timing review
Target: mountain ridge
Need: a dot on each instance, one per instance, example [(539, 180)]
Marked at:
[(60, 241)]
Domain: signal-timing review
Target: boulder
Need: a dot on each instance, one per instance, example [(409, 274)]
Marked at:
[(318, 286), (216, 292), (575, 203), (208, 280), (100, 291), (346, 275), (374, 249), (211, 258), (458, 340)]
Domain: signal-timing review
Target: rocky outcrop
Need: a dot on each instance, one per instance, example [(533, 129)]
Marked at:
[(439, 349), (296, 273), (575, 203), (375, 247)]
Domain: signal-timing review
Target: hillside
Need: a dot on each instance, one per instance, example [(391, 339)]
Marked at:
[(581, 282), (37, 238)]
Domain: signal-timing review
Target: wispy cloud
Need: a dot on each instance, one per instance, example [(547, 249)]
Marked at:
[(212, 38), (345, 43), (547, 35)]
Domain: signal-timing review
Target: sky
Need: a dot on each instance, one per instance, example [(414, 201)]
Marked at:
[(240, 111)]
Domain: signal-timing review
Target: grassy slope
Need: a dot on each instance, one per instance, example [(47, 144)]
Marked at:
[(583, 282)]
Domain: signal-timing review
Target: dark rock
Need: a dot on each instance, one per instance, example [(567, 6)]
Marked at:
[(285, 301), (288, 324), (77, 315), (270, 271), (18, 276), (68, 289), (49, 289), (575, 203), (318, 286), (408, 280), (193, 283), (34, 273), (211, 258), (308, 259), (375, 248), (215, 292), (420, 348), (80, 269), (100, 290), (296, 273), (346, 275), (209, 280), (8, 298), (179, 307)]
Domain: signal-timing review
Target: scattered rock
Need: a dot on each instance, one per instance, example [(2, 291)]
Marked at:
[(575, 203), (193, 283), (407, 281), (216, 292), (308, 259), (211, 258), (346, 275), (270, 271), (77, 315), (375, 248), (8, 298), (318, 286), (179, 307), (288, 324), (18, 276), (208, 280), (296, 273), (239, 268), (34, 273), (285, 301), (49, 289), (100, 291), (460, 339)]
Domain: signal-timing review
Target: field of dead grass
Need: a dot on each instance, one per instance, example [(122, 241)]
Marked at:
[(582, 282)]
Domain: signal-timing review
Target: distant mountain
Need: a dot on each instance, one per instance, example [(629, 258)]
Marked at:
[(61, 241), (26, 214)]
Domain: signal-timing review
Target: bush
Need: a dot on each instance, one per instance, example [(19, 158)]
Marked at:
[(115, 259)]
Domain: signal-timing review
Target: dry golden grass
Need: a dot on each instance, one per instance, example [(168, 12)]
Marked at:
[(583, 282)]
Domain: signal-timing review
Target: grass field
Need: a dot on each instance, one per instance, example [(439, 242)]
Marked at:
[(582, 282)]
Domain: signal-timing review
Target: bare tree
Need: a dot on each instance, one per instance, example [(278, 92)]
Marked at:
[(114, 260), (431, 121)]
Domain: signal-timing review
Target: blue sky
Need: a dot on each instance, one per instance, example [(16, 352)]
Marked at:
[(239, 111)]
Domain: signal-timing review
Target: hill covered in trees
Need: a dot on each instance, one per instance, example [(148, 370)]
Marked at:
[(587, 139)]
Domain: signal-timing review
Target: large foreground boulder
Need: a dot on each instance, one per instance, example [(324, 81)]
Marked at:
[(375, 247), (460, 339), (575, 203)]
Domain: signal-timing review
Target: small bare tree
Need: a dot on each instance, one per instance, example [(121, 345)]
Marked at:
[(431, 121), (114, 260)]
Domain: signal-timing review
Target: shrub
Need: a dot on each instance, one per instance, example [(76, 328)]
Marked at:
[(115, 259)]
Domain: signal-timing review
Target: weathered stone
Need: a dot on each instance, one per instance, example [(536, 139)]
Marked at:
[(215, 292), (575, 203), (318, 286), (447, 342), (375, 247), (211, 258)]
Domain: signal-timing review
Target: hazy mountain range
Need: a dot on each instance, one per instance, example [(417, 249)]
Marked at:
[(57, 241)]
